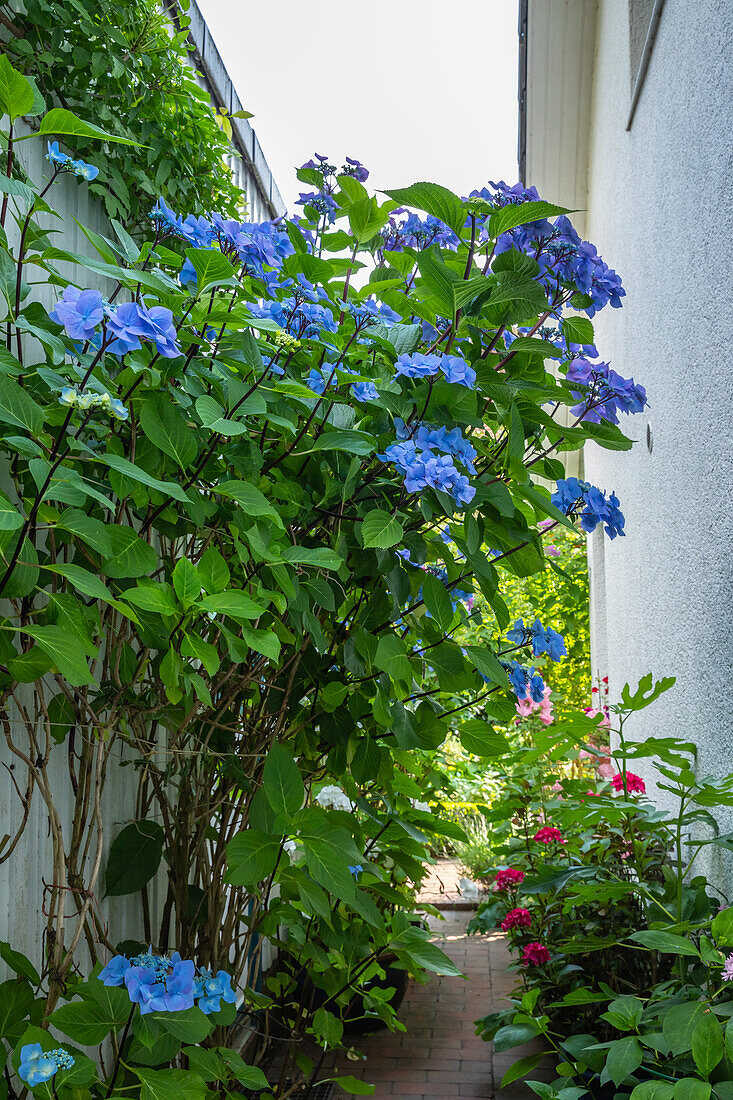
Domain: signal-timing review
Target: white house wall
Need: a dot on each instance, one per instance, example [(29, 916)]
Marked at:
[(660, 212)]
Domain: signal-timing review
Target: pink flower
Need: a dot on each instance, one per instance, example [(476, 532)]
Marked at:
[(508, 878), (526, 707), (547, 834), (727, 974), (535, 954), (552, 552), (518, 918), (634, 783)]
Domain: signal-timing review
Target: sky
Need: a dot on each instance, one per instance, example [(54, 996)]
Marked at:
[(415, 89)]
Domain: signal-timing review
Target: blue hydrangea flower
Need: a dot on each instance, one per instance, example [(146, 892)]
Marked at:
[(56, 157), (85, 171), (36, 1066), (79, 311), (356, 169), (211, 989), (417, 365), (356, 870), (115, 970), (574, 496), (187, 275), (117, 409), (316, 381), (412, 232), (457, 370), (607, 392), (364, 391), (156, 983)]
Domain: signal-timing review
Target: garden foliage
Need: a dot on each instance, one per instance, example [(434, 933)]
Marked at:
[(620, 942), (250, 486)]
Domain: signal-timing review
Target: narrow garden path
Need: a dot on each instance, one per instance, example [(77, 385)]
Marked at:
[(440, 1056)]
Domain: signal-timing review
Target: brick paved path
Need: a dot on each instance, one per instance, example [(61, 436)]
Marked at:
[(439, 1057)]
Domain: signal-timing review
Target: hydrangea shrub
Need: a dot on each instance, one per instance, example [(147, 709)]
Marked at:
[(254, 484)]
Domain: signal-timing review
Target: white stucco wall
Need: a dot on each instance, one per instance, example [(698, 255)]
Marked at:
[(660, 211)]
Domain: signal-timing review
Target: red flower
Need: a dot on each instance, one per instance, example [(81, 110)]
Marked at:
[(547, 834), (535, 954), (634, 783), (516, 918), (507, 878)]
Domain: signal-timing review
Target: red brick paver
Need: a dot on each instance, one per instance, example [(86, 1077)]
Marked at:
[(439, 1056)]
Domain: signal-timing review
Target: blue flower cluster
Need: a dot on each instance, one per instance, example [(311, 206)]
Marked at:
[(323, 201), (257, 245), (421, 468), (81, 311), (607, 392), (574, 497), (370, 312), (38, 1065), (168, 983), (360, 391), (525, 681), (564, 258), (421, 365), (80, 168), (542, 641), (412, 232), (457, 595), (428, 437), (303, 314)]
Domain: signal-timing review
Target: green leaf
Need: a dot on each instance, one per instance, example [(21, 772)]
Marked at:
[(213, 571), (435, 200), (19, 963), (251, 857), (282, 781), (66, 651), (653, 1090), (134, 857), (131, 557), (366, 218), (418, 949), (263, 641), (624, 1056), (482, 739), (319, 557), (381, 529), (521, 1068), (156, 598), (16, 92), (170, 1084), (354, 1086), (165, 427), (391, 657), (211, 267), (249, 498), (186, 582), (666, 942), (508, 217), (129, 469), (437, 601), (60, 121), (16, 1001), (526, 296), (488, 664), (679, 1023), (18, 408), (10, 517), (707, 1042), (439, 280), (86, 1022), (577, 330), (190, 1025), (689, 1088), (238, 605)]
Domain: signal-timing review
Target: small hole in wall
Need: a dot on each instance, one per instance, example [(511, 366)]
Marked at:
[(649, 439)]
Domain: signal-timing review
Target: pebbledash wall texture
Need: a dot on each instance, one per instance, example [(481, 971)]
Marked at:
[(659, 208)]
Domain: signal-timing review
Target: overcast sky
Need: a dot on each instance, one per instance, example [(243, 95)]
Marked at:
[(416, 89)]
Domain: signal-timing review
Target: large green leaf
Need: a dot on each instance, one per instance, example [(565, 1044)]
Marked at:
[(131, 556), (381, 529), (665, 941), (512, 215), (134, 857), (170, 1084), (417, 947), (87, 1022), (211, 267), (60, 121), (251, 857), (249, 498), (16, 91), (68, 652), (707, 1042), (433, 199), (129, 469), (238, 605), (391, 657), (624, 1056), (164, 426), (437, 601), (282, 781), (18, 408)]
